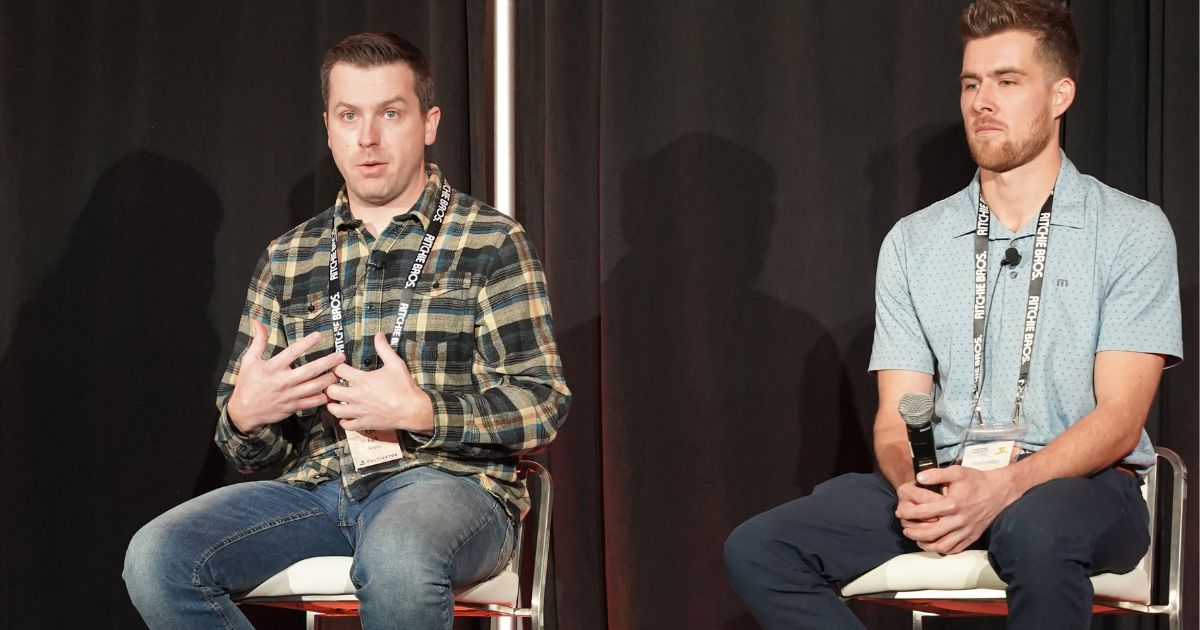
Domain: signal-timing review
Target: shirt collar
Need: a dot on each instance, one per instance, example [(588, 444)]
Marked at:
[(422, 210), (1069, 208)]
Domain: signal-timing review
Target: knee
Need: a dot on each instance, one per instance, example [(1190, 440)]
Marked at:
[(1034, 549), (150, 561), (755, 549), (743, 543), (401, 566)]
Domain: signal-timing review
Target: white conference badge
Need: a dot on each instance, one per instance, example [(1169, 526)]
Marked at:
[(988, 447), (368, 448), (989, 455)]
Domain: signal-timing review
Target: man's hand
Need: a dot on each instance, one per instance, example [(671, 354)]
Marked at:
[(910, 495), (270, 390), (387, 398), (971, 501)]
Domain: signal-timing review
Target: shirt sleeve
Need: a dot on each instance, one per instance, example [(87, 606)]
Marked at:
[(1141, 305), (900, 342), (523, 396), (267, 447)]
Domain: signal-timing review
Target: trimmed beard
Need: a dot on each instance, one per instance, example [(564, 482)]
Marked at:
[(1010, 154)]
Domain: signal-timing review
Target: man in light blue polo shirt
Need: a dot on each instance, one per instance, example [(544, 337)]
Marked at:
[(1032, 266)]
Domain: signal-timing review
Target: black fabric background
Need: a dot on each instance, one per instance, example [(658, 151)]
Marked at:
[(708, 183)]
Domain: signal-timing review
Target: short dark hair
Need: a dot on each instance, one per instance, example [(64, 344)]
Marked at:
[(366, 50), (1047, 20)]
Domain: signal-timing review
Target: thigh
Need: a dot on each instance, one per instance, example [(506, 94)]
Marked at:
[(1099, 521), (427, 521), (846, 527), (237, 536)]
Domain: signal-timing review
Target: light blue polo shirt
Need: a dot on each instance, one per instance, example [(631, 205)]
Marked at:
[(1111, 283)]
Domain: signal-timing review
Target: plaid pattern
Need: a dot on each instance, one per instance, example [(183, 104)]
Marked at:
[(479, 340)]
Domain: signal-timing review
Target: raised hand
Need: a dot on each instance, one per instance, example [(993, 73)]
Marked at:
[(271, 390), (387, 398)]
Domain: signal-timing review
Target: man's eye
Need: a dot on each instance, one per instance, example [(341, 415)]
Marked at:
[(392, 114), (348, 116)]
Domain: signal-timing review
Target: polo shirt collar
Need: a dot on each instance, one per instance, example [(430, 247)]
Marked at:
[(1069, 208)]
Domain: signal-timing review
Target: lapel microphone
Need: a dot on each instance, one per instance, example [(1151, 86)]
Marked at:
[(1012, 257)]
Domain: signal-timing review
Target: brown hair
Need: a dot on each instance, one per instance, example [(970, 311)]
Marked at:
[(366, 50), (1047, 20)]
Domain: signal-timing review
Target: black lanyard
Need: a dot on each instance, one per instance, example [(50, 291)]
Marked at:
[(414, 274), (1037, 271)]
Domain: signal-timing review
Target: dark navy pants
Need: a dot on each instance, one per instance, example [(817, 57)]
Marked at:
[(786, 563)]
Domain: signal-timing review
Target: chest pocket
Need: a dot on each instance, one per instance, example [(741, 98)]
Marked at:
[(439, 334), (304, 314), (443, 305)]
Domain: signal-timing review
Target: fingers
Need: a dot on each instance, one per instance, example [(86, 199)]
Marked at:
[(387, 354), (909, 523), (316, 368), (311, 402), (294, 351), (347, 372), (929, 532), (951, 543), (935, 476), (337, 392), (912, 493), (927, 511), (352, 424), (341, 411), (258, 342)]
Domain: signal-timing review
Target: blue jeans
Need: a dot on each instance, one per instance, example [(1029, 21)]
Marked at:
[(419, 535), (785, 563)]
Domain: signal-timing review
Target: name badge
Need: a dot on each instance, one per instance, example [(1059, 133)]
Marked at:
[(989, 455), (370, 448)]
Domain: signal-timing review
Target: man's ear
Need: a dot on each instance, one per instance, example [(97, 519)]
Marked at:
[(432, 118), (1064, 96)]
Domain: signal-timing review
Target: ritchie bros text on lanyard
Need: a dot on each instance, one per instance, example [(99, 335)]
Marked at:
[(414, 274), (1037, 270)]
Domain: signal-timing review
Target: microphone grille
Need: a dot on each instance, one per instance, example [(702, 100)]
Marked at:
[(916, 408)]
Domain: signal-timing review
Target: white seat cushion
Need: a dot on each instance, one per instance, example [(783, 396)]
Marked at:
[(330, 575), (923, 575)]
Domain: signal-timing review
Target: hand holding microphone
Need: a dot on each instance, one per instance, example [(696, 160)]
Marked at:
[(917, 411)]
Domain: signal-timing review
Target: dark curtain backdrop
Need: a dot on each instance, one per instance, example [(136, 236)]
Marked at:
[(716, 178), (708, 183)]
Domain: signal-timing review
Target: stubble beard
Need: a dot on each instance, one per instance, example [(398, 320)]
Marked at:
[(1010, 154)]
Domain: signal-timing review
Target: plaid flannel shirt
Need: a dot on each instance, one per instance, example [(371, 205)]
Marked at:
[(478, 340)]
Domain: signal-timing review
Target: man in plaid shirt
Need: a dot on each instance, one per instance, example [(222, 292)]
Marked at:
[(397, 381)]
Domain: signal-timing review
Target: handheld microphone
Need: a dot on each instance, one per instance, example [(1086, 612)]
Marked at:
[(378, 260), (1012, 257), (917, 411)]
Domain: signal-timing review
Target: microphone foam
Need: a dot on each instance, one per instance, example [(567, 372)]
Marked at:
[(916, 408)]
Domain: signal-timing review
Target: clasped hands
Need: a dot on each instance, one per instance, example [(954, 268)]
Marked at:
[(270, 390), (949, 522)]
